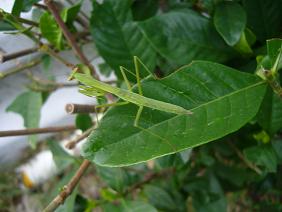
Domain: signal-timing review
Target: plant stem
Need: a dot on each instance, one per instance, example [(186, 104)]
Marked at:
[(75, 141), (67, 189), (70, 38), (20, 68), (26, 21), (246, 161), (31, 131), (79, 108), (7, 57)]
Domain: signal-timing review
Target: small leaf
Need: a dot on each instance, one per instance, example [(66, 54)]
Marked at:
[(222, 101), (160, 198), (50, 30), (129, 206), (274, 48), (230, 21), (83, 121), (263, 155), (28, 105), (22, 6), (116, 178)]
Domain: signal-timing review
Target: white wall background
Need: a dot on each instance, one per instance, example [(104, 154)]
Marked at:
[(52, 113)]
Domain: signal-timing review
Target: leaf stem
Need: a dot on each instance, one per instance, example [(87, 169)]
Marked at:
[(70, 38), (31, 131), (67, 189), (245, 160)]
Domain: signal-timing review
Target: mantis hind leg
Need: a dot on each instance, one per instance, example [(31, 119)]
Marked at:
[(140, 109)]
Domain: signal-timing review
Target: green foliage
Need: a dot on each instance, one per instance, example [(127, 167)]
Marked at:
[(230, 21), (28, 105), (226, 156), (219, 108), (83, 121)]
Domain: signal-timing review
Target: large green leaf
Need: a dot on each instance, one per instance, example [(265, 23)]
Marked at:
[(230, 21), (28, 105), (264, 17), (183, 36), (222, 100), (118, 38)]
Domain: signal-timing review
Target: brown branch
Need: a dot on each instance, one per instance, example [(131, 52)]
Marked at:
[(31, 131), (67, 189), (41, 6), (19, 68), (75, 141), (244, 159), (26, 21), (70, 38), (79, 108), (7, 57)]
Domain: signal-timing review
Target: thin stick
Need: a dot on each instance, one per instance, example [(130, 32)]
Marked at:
[(246, 161), (79, 108), (70, 38), (31, 131), (67, 189), (26, 21), (7, 57), (20, 68), (75, 141)]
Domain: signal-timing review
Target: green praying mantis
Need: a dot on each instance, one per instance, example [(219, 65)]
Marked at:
[(93, 87)]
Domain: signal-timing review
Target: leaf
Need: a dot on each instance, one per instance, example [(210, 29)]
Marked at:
[(61, 157), (230, 21), (144, 9), (129, 206), (118, 38), (83, 121), (69, 14), (50, 30), (182, 36), (277, 147), (273, 50), (22, 6), (17, 7), (222, 101), (264, 18), (116, 178), (270, 113), (5, 26), (263, 155), (160, 198), (28, 105)]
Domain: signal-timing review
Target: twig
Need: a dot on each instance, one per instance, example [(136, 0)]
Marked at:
[(7, 57), (26, 21), (79, 108), (20, 68), (41, 6), (67, 189), (75, 141), (149, 178), (246, 161), (70, 38), (37, 131)]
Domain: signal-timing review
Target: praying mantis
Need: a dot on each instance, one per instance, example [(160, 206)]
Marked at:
[(93, 87)]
